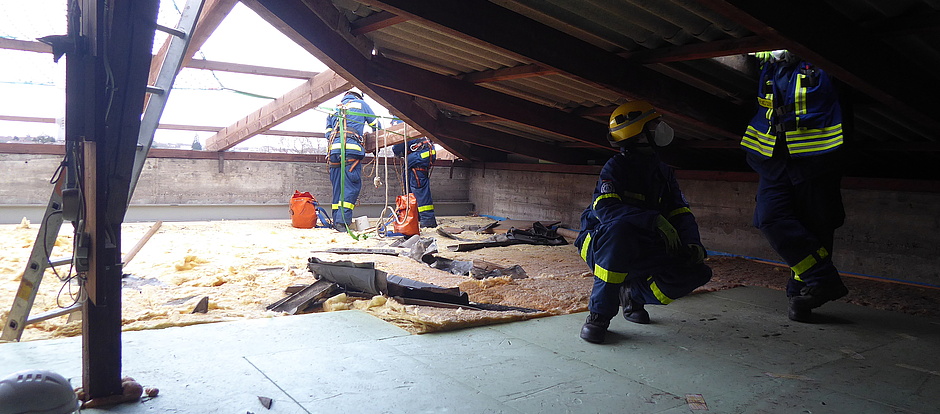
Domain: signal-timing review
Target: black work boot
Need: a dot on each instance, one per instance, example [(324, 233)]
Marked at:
[(595, 328), (812, 297), (632, 310), (635, 313)]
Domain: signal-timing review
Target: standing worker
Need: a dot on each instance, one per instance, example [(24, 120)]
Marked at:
[(346, 189), (792, 143), (421, 155), (638, 236)]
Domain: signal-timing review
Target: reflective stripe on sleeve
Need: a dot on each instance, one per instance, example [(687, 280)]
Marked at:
[(584, 246), (603, 196), (679, 211)]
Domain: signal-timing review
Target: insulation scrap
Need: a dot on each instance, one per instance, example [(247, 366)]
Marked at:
[(189, 262), (424, 319)]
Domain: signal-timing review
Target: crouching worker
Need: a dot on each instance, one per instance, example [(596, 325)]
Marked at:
[(638, 236)]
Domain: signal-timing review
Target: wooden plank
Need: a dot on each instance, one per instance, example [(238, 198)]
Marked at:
[(314, 92), (249, 69), (375, 21), (298, 301), (516, 72), (140, 243), (24, 45)]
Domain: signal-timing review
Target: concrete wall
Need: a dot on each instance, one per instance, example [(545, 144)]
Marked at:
[(887, 234), (24, 181)]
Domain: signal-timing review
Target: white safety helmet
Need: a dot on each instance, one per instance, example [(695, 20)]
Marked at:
[(356, 91), (37, 391)]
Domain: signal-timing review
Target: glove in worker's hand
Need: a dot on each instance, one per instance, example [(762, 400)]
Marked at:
[(764, 57), (695, 253), (668, 233)]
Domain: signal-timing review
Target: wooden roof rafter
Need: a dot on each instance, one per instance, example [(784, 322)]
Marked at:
[(311, 93)]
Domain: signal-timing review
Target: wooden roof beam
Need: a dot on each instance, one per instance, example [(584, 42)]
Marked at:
[(532, 41), (24, 45), (701, 50), (397, 76), (309, 24), (312, 93), (211, 15), (834, 43), (375, 21), (249, 69), (515, 72)]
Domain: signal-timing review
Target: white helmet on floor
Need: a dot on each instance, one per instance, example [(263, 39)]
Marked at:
[(36, 391)]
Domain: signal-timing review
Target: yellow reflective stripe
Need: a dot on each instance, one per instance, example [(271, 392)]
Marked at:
[(608, 276), (603, 196), (805, 134), (679, 211), (584, 247), (760, 142), (766, 103), (799, 97), (353, 105), (806, 140), (665, 300), (349, 145), (428, 153), (808, 263), (636, 196), (345, 204), (429, 207)]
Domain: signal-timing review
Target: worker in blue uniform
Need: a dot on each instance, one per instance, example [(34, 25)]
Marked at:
[(420, 157), (793, 143), (344, 130), (638, 236)]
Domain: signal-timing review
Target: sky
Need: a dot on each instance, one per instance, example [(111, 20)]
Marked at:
[(32, 85)]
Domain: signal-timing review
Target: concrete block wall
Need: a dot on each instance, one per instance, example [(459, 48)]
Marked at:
[(24, 180), (887, 234)]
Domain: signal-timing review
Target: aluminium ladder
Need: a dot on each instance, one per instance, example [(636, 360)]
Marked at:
[(52, 220)]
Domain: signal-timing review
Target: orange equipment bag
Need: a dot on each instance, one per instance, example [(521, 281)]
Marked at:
[(303, 210), (406, 208)]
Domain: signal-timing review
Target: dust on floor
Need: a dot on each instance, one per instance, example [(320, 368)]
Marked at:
[(243, 266)]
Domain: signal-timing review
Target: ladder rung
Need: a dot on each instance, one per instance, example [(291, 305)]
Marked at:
[(155, 90), (54, 313), (60, 262), (175, 32)]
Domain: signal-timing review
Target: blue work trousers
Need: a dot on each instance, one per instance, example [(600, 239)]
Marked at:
[(345, 194), (420, 185), (799, 207), (652, 273)]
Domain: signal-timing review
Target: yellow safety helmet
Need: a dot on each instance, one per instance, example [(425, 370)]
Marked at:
[(628, 120)]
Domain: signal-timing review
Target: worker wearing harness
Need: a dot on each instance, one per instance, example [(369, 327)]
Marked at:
[(346, 189), (638, 236), (792, 142), (421, 156)]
